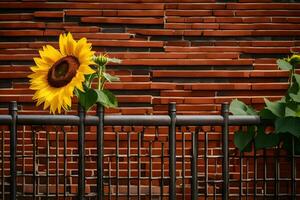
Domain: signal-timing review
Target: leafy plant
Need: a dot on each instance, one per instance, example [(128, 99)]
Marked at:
[(284, 114), (91, 96)]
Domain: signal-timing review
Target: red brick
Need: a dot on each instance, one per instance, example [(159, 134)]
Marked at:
[(262, 6), (79, 29), (155, 31), (221, 86), (202, 73), (267, 13), (48, 14), (16, 16), (276, 32), (269, 86), (140, 13), (83, 12), (129, 43), (205, 26), (112, 36), (136, 99), (202, 49), (168, 62), (13, 33), (229, 19), (193, 13), (23, 25), (178, 43), (257, 19), (273, 43), (119, 20), (202, 6), (70, 5), (128, 86), (223, 13), (269, 73), (178, 26), (270, 50), (227, 33)]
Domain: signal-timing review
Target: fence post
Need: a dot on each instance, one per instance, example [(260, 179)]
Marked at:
[(172, 151), (225, 166), (13, 108), (293, 171), (100, 135), (81, 153), (194, 166)]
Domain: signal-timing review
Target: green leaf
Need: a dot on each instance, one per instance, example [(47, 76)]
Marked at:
[(110, 78), (243, 141), (262, 140), (277, 108), (240, 108), (89, 79), (284, 65), (288, 125), (292, 109), (106, 98), (87, 99), (297, 78), (115, 60), (267, 114)]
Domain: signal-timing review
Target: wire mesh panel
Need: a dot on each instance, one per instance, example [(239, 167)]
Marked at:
[(135, 163), (4, 163)]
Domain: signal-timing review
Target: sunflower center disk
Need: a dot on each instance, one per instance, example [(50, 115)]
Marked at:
[(63, 71)]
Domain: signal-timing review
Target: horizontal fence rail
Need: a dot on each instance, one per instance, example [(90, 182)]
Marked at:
[(131, 166), (130, 120)]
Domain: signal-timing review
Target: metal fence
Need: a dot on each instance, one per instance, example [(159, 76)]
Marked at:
[(135, 162)]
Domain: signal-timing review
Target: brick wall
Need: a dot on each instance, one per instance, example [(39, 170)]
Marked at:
[(198, 53)]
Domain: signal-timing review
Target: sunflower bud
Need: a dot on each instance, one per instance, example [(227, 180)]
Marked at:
[(101, 60)]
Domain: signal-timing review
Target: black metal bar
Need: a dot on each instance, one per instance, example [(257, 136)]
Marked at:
[(100, 143), (225, 166), (81, 153), (255, 175), (65, 162), (128, 165), (194, 166), (117, 164), (293, 171), (139, 164), (206, 164), (47, 162), (150, 169), (109, 178), (2, 164), (265, 172), (162, 171), (34, 163), (241, 177), (183, 164), (276, 174), (172, 151), (247, 178), (13, 109), (57, 163), (131, 120)]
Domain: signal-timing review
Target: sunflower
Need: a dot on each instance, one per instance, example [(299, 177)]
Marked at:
[(58, 73)]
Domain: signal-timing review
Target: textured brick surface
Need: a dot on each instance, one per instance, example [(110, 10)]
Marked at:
[(198, 53)]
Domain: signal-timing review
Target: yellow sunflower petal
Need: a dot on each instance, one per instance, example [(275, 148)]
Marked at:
[(54, 96), (70, 47), (85, 69)]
